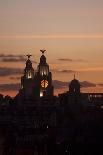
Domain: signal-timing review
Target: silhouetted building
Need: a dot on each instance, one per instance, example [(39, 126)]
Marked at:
[(37, 122), (39, 83), (74, 86), (44, 78), (27, 80)]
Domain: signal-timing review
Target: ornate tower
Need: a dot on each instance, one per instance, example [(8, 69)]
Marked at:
[(29, 71), (44, 77), (28, 77)]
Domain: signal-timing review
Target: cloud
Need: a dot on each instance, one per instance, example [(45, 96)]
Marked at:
[(87, 84), (10, 55), (10, 87), (6, 71), (101, 84), (15, 78), (71, 60), (13, 58), (63, 71), (60, 84), (65, 59), (67, 71)]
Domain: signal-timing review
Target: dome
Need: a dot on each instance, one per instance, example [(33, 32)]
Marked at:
[(74, 86), (74, 82)]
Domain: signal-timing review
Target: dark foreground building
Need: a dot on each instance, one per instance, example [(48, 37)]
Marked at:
[(36, 122)]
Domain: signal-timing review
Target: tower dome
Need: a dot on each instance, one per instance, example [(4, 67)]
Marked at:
[(74, 86)]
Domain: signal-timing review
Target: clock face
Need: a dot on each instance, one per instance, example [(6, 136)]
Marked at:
[(44, 83)]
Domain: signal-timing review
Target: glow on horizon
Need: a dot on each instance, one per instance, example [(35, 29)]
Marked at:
[(97, 89)]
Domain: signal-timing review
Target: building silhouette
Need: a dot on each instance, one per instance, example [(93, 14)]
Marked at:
[(36, 122), (74, 86), (36, 83), (27, 80)]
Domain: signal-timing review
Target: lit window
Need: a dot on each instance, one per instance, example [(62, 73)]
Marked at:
[(43, 71), (29, 76), (41, 94)]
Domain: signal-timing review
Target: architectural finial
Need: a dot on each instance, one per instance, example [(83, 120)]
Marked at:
[(42, 51), (28, 55)]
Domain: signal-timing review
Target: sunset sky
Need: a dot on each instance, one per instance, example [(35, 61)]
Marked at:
[(70, 30)]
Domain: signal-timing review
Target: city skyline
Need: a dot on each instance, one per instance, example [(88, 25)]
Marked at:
[(70, 31)]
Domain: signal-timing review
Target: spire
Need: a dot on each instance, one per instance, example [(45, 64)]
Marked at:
[(74, 76)]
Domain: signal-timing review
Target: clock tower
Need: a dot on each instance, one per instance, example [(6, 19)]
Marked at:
[(44, 77)]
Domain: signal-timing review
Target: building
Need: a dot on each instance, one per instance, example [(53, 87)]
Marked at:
[(27, 80), (36, 122), (44, 77), (35, 84)]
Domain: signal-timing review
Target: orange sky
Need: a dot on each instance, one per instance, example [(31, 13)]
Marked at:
[(70, 31)]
